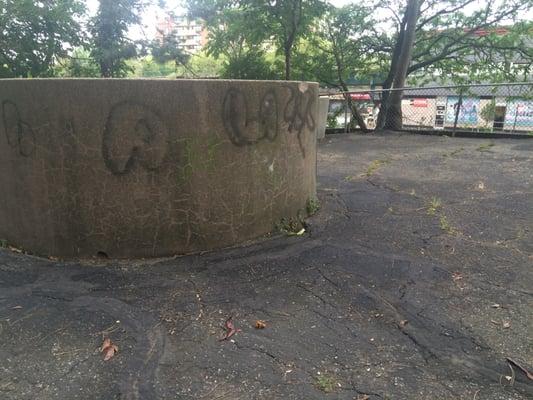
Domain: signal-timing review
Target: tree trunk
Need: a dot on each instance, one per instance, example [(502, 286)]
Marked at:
[(392, 106), (353, 108), (288, 63), (387, 84)]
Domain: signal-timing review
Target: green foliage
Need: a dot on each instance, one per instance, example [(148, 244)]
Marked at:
[(233, 39), (34, 34), (434, 205), (342, 47), (204, 66), (110, 44), (332, 118), (199, 65), (167, 49), (325, 383), (445, 225), (456, 41), (242, 32), (485, 147), (375, 165), (77, 65), (488, 112), (312, 206), (250, 63), (290, 226), (147, 67), (489, 43)]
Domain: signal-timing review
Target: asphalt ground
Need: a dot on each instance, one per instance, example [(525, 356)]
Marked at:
[(413, 281)]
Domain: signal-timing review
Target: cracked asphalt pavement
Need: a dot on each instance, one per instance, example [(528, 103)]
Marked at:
[(413, 281)]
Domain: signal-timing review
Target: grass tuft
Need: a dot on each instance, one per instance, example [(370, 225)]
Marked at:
[(434, 205), (325, 383)]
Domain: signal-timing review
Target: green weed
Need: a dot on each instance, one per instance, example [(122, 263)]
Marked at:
[(445, 225), (485, 147), (312, 206), (453, 153), (434, 205), (375, 165), (325, 383)]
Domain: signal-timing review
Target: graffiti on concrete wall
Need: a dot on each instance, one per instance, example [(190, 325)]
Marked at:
[(133, 133), (245, 127), (298, 112), (19, 134)]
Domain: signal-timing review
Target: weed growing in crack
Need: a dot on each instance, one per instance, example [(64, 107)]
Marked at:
[(434, 205), (325, 383), (485, 147), (375, 165), (453, 153), (312, 206), (445, 225), (290, 226)]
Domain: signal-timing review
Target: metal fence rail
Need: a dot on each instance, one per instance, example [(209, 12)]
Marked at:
[(491, 108)]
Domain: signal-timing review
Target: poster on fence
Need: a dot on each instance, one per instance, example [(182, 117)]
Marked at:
[(467, 112), (519, 114)]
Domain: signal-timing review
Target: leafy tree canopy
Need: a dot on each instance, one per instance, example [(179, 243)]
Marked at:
[(34, 34)]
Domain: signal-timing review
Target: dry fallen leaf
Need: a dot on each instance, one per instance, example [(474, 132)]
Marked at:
[(110, 352), (456, 276), (108, 348), (403, 322), (230, 329), (107, 343), (14, 249), (260, 324)]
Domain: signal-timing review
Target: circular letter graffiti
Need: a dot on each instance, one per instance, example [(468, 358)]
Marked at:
[(245, 129), (133, 133)]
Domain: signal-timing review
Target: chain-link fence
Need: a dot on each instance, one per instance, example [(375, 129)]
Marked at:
[(490, 108)]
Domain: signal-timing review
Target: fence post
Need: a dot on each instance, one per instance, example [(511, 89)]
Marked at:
[(515, 116), (345, 114), (459, 104)]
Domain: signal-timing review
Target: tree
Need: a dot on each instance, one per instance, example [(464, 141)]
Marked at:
[(290, 20), (111, 46), (167, 49), (234, 39), (341, 37), (34, 34), (252, 26), (448, 41), (78, 64), (391, 107)]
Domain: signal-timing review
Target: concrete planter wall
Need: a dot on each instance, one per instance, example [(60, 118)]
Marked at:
[(141, 168), (322, 117)]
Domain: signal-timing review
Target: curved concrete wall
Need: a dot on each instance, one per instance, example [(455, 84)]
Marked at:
[(141, 168)]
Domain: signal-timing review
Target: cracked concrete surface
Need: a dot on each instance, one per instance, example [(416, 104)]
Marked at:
[(380, 297)]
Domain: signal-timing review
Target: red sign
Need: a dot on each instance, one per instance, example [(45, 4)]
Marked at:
[(360, 96), (419, 102)]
